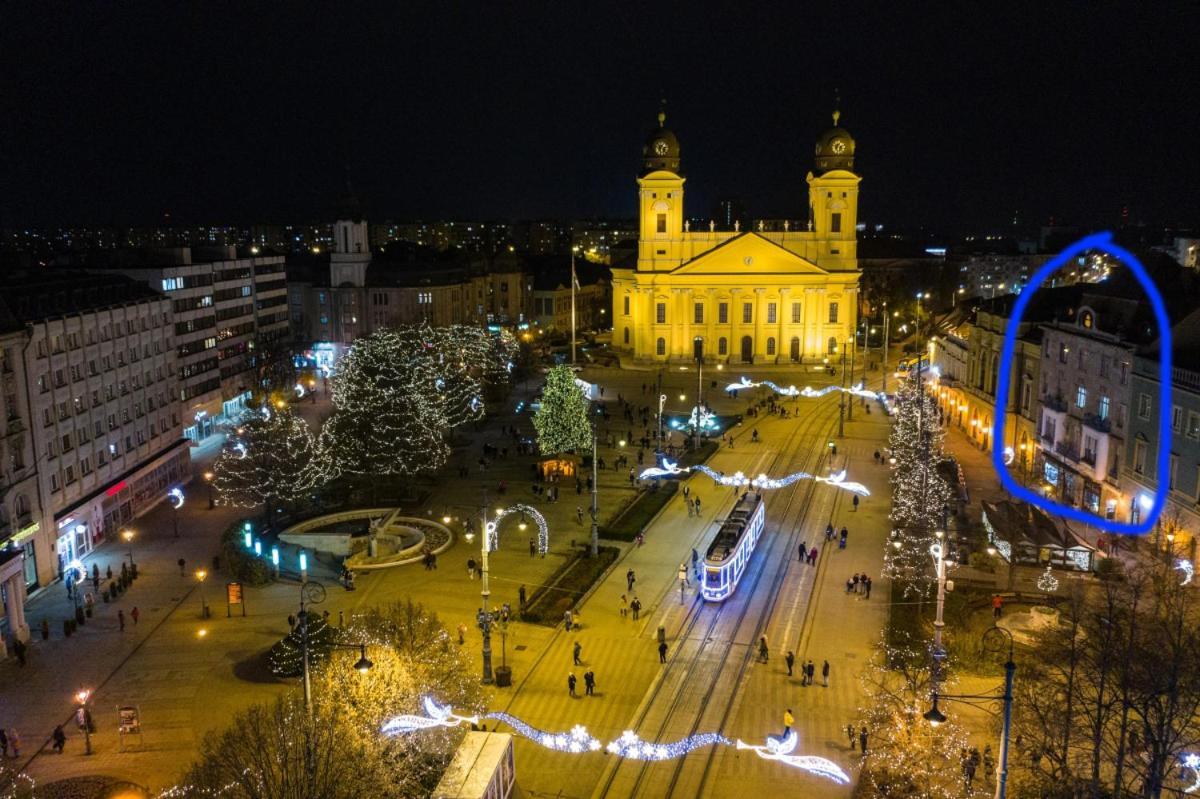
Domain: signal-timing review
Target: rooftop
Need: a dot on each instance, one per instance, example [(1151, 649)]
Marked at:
[(48, 294)]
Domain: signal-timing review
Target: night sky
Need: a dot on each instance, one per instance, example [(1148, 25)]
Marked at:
[(222, 113)]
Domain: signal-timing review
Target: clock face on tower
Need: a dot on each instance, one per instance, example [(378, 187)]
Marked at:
[(660, 147), (838, 146)]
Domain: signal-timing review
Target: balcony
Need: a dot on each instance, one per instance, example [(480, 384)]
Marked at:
[(1097, 423), (1067, 450), (1055, 403)]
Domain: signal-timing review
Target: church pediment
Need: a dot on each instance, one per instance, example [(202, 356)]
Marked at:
[(748, 254)]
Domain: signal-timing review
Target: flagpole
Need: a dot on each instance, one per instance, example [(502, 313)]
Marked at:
[(574, 282)]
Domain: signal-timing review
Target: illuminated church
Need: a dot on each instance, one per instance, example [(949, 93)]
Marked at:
[(740, 296)]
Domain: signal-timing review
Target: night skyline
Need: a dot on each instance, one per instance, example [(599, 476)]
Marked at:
[(121, 115)]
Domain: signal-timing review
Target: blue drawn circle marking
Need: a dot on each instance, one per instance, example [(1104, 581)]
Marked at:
[(1104, 243)]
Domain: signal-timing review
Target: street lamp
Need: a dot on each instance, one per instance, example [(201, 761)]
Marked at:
[(312, 592), (201, 574), (208, 478), (935, 716), (82, 696), (176, 498), (128, 534)]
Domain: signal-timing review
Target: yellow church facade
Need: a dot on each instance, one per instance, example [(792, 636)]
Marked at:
[(740, 297)]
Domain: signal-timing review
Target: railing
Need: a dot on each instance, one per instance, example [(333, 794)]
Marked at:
[(1056, 403), (1100, 425), (1089, 458), (1067, 450)]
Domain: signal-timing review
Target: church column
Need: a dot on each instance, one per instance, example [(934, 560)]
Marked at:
[(710, 319), (735, 315), (811, 348), (760, 321), (645, 322), (783, 345), (684, 303)]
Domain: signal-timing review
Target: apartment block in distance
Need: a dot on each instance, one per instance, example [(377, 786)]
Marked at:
[(230, 321)]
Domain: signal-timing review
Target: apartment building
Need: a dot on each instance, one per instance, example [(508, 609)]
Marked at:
[(230, 323), (101, 385)]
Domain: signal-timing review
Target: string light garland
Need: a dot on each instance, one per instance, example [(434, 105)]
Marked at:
[(630, 745), (1184, 565), (493, 535), (780, 750), (740, 480), (1047, 582), (1191, 760), (812, 393)]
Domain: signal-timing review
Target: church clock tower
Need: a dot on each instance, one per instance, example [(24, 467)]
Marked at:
[(660, 200), (833, 198)]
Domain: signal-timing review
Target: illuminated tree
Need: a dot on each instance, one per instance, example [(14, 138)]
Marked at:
[(273, 458), (562, 420), (278, 751), (920, 495), (907, 756), (387, 419)]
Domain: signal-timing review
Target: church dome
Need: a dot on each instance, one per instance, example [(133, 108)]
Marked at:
[(661, 150), (835, 148)]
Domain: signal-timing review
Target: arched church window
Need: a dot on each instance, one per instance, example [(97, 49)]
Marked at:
[(832, 345), (722, 346), (661, 346), (626, 335), (770, 346)]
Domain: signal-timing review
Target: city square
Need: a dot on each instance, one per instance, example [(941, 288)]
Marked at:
[(838, 478)]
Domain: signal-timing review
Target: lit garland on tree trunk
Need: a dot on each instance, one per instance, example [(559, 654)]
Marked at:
[(919, 494)]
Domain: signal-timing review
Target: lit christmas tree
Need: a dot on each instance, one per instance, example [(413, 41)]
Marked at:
[(919, 494), (562, 420), (273, 458), (388, 417)]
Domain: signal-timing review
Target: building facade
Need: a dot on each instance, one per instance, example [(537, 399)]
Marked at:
[(103, 387), (230, 319), (736, 296), (1085, 388), (1180, 522)]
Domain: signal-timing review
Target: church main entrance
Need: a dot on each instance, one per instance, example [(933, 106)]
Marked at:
[(795, 350), (698, 348), (747, 349)]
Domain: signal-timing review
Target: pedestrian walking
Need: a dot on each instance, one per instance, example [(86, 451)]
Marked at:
[(532, 547), (802, 551), (134, 614), (121, 619), (14, 742), (829, 532), (624, 606), (850, 735), (809, 671), (471, 568), (576, 652), (790, 659), (571, 684), (521, 596), (854, 502), (844, 533), (181, 563), (579, 514), (762, 649), (3, 742), (683, 574), (687, 490), (662, 652), (636, 607), (868, 586), (630, 577), (997, 604), (812, 557), (788, 721), (462, 633), (696, 502), (850, 584), (19, 649), (877, 456), (862, 740), (96, 576), (857, 580), (568, 619), (589, 682), (291, 622), (60, 739), (825, 673)]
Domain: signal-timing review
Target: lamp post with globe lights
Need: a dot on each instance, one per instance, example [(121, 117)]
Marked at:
[(84, 718), (208, 478), (201, 575), (128, 535)]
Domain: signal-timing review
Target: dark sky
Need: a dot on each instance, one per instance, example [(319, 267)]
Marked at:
[(243, 112)]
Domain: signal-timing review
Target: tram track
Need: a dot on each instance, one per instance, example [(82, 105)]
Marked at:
[(758, 592)]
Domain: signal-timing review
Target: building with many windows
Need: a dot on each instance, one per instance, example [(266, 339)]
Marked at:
[(230, 315), (740, 296), (100, 367)]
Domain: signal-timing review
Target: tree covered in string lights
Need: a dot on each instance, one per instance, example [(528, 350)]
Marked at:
[(388, 418), (919, 494), (907, 757), (561, 421), (337, 752), (273, 457)]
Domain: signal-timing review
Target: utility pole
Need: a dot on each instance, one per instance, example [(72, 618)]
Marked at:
[(573, 283), (484, 617), (842, 399), (887, 321), (595, 543), (851, 351)]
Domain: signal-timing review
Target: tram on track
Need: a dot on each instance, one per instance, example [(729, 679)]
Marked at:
[(730, 551)]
